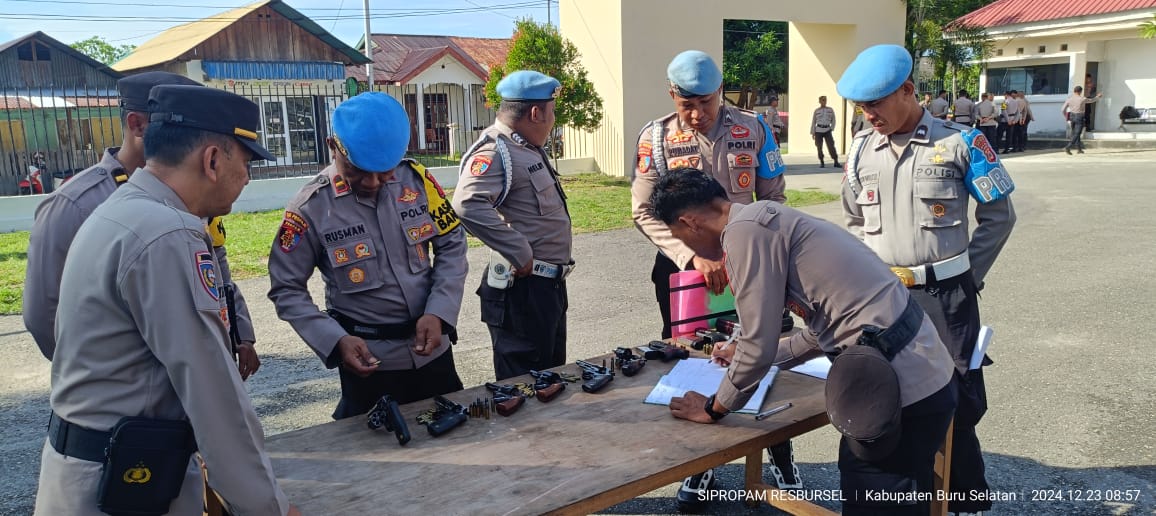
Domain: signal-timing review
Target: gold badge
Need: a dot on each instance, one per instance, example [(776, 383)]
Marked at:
[(356, 275), (905, 276), (361, 251), (340, 255), (140, 474), (938, 210), (937, 159)]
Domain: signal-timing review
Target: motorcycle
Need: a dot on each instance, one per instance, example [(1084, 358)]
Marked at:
[(30, 184)]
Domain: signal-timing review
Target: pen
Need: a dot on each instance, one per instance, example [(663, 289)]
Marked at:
[(763, 415)]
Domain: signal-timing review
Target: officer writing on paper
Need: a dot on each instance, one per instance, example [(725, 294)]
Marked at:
[(906, 194), (508, 195), (60, 215), (141, 377), (392, 255), (890, 391)]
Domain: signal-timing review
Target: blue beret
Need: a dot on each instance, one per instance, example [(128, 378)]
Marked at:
[(876, 73), (693, 73), (372, 130), (528, 85)]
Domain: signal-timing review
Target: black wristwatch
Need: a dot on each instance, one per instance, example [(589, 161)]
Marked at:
[(715, 416)]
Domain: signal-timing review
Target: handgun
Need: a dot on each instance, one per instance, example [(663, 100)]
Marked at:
[(385, 413), (627, 362), (447, 416), (596, 377), (665, 352), (507, 398), (547, 385)]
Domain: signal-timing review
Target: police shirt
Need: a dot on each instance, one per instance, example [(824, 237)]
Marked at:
[(146, 336), (964, 110), (823, 120), (912, 210), (376, 257), (511, 199), (986, 111), (779, 257), (938, 107), (57, 219), (737, 152)]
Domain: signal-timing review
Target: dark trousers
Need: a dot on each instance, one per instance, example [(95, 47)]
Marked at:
[(1002, 140), (1019, 136), (358, 394), (660, 275), (527, 324), (826, 137), (989, 132), (953, 307), (1077, 132), (909, 469)]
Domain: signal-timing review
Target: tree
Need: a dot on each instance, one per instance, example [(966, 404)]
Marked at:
[(1148, 28), (97, 48), (933, 35), (754, 58), (540, 47)]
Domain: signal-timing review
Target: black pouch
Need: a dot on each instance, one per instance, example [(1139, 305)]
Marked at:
[(145, 466)]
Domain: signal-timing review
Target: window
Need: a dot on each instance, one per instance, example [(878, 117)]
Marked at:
[(1043, 49), (1064, 47), (35, 63), (1030, 80), (1020, 51), (999, 52)]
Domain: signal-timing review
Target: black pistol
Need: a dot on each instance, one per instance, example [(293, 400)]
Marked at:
[(547, 385), (507, 398), (665, 352), (448, 416), (596, 377), (627, 362), (385, 413)]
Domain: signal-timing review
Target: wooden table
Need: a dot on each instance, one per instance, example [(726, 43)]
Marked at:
[(577, 454)]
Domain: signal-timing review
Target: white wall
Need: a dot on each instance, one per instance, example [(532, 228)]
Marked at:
[(448, 70), (1127, 78)]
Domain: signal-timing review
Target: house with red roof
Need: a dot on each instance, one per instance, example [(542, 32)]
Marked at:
[(1044, 48), (441, 82)]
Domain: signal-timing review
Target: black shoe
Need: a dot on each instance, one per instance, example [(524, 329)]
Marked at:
[(788, 322), (822, 165), (1067, 150), (1081, 151), (838, 165), (689, 499), (781, 459)]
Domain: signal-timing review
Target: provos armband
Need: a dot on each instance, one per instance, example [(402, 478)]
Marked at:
[(216, 229), (439, 207), (985, 178)]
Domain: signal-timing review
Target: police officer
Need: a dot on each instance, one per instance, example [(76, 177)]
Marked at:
[(822, 129), (60, 215), (963, 112), (858, 121), (509, 197), (1014, 112), (906, 193), (777, 256), (735, 147), (145, 334), (369, 222), (987, 113), (938, 107), (775, 120)]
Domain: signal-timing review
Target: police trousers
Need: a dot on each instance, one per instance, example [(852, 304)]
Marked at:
[(527, 324), (953, 306), (903, 482), (830, 140), (660, 275), (358, 394)]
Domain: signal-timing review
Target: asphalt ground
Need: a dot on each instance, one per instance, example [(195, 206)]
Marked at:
[(1071, 395)]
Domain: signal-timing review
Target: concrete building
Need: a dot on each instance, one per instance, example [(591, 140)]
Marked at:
[(1047, 47)]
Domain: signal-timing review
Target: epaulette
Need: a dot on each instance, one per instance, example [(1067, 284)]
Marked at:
[(955, 125), (318, 183)]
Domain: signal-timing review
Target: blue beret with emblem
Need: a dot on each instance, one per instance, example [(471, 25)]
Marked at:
[(693, 74), (372, 131), (876, 73), (528, 86)]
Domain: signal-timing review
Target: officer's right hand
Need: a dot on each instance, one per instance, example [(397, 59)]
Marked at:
[(525, 270), (355, 356), (713, 271)]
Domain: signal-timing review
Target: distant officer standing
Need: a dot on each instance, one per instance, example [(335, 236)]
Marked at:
[(890, 390), (735, 147), (776, 120), (142, 351), (938, 107), (1073, 110), (1026, 118), (858, 121), (60, 215), (372, 222), (509, 196), (964, 109), (987, 113), (906, 195), (1014, 112), (822, 128)]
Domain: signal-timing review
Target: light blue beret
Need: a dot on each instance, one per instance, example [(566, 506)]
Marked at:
[(876, 73), (528, 86), (694, 74), (372, 130)]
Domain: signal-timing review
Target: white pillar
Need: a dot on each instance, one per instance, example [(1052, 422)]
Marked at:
[(420, 115), (1077, 67), (453, 137)]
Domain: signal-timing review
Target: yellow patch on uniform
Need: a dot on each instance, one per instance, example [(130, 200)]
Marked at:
[(361, 251), (407, 196), (356, 275), (744, 179), (439, 207), (479, 165), (680, 137), (744, 159), (340, 186), (679, 163), (139, 474), (418, 232), (937, 159), (938, 210), (740, 131), (340, 255), (216, 230)]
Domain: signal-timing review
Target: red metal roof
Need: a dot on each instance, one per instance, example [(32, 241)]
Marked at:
[(1011, 12), (397, 58)]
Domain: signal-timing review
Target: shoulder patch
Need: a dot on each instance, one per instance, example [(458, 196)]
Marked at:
[(340, 186), (439, 207), (216, 230), (207, 272), (293, 227), (479, 164)]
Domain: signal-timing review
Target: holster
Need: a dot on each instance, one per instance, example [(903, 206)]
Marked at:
[(146, 463)]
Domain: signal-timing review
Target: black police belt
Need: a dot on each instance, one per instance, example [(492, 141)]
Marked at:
[(397, 331), (891, 340), (551, 271), (823, 126), (921, 275), (77, 441)]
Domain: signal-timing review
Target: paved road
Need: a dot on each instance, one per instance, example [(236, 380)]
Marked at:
[(1071, 394)]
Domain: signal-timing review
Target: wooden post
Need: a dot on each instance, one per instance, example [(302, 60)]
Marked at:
[(943, 474)]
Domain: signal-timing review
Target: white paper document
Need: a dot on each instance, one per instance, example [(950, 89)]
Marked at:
[(817, 367), (701, 376), (981, 345)]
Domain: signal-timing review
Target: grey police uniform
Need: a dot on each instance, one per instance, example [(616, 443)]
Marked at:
[(146, 337), (913, 212), (375, 257), (737, 152), (778, 256), (987, 113), (822, 127), (938, 107), (58, 217), (508, 195), (964, 111)]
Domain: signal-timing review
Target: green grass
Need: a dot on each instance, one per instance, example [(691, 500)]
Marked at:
[(597, 203)]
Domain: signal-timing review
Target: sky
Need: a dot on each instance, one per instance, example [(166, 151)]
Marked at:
[(135, 21)]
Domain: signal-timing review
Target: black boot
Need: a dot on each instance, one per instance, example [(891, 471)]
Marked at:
[(781, 459), (689, 498)]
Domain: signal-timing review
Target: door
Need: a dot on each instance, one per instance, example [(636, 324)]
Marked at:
[(276, 131), (411, 110), (302, 130), (437, 119)]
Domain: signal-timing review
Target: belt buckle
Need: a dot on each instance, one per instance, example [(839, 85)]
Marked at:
[(905, 276)]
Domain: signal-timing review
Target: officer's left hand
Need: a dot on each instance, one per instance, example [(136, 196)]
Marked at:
[(247, 361), (692, 407), (429, 334)]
